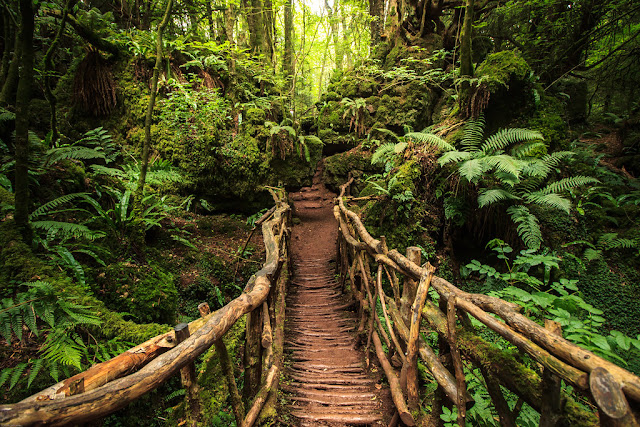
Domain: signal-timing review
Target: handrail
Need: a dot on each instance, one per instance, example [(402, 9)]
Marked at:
[(101, 392), (559, 357)]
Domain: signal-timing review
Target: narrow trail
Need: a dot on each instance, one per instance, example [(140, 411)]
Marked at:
[(326, 378)]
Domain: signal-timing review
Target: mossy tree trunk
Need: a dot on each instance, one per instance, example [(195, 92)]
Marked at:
[(23, 98), (48, 69), (152, 101), (376, 11), (255, 21), (8, 94), (7, 43), (333, 21), (466, 64), (287, 57)]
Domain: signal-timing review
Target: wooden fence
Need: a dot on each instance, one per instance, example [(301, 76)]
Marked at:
[(111, 385), (609, 387)]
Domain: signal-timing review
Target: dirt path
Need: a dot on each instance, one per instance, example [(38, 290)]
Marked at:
[(326, 379)]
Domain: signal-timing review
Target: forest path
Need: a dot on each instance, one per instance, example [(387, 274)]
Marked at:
[(325, 375)]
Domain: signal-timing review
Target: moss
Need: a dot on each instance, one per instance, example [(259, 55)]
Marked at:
[(256, 116), (503, 68), (337, 167), (6, 197)]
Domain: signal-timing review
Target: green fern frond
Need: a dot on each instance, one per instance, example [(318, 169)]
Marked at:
[(473, 134), (473, 169), (381, 154), (506, 137), (6, 116), (105, 170), (389, 133), (551, 200), (429, 139), (568, 183), (505, 163), (556, 157), (53, 204), (529, 149), (489, 197), (17, 374), (535, 168), (73, 153), (453, 156), (36, 366), (592, 254), (527, 226), (67, 229)]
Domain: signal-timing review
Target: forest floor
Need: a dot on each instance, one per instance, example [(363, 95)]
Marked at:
[(326, 374)]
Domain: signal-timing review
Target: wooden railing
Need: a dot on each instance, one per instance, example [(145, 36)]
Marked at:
[(115, 383), (605, 384)]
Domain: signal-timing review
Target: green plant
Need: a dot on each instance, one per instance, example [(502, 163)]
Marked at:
[(96, 144), (605, 242), (517, 178), (42, 311), (355, 109)]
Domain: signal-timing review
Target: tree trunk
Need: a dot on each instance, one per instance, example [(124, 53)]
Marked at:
[(7, 42), (269, 31), (152, 101), (255, 21), (466, 64), (48, 69), (337, 46), (23, 98), (287, 57), (376, 11), (8, 94)]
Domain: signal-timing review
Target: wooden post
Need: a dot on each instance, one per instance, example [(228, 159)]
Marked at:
[(457, 360), (252, 355), (551, 411), (410, 286), (227, 369), (189, 378), (613, 407)]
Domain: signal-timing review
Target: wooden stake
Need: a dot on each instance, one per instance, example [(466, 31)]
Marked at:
[(613, 407), (457, 360), (188, 377), (551, 411), (396, 343), (409, 287)]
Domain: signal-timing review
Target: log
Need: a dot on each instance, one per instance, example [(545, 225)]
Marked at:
[(261, 397), (396, 343), (613, 407), (411, 362), (507, 418), (267, 338), (188, 378), (443, 377), (394, 384)]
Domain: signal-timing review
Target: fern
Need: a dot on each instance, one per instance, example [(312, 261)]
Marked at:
[(453, 156), (529, 149), (473, 169), (505, 163), (473, 134), (55, 203), (489, 197), (429, 139), (568, 183), (67, 230), (73, 153), (527, 226), (551, 200), (506, 137), (382, 153)]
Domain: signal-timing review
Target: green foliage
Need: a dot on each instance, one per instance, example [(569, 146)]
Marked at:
[(605, 242), (41, 310)]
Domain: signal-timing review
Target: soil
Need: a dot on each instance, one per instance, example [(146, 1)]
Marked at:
[(326, 378)]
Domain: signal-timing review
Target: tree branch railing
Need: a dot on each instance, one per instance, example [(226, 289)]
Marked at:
[(605, 384), (113, 384)]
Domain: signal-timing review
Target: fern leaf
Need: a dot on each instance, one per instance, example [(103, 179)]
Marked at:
[(16, 374), (35, 369), (473, 134), (535, 168), (527, 226), (505, 163), (67, 229), (529, 149), (429, 139), (49, 206), (6, 372), (552, 200), (381, 154), (489, 197), (592, 254), (473, 169), (506, 137), (73, 153), (453, 156), (568, 183), (389, 133), (104, 170), (71, 262), (556, 157)]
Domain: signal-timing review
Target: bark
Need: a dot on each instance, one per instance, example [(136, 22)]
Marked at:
[(457, 360), (189, 378), (261, 397), (255, 22), (146, 148), (376, 11), (8, 94), (613, 407), (394, 384), (466, 64), (252, 356), (23, 98), (48, 70), (287, 56), (8, 40), (337, 46)]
